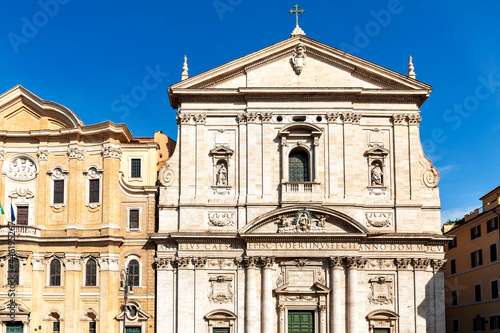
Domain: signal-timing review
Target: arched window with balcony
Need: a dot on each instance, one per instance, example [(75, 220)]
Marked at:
[(298, 166)]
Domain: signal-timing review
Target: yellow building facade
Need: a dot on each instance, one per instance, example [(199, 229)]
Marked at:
[(83, 198), (472, 275)]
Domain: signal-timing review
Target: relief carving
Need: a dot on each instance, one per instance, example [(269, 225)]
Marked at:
[(183, 118), (21, 169), (350, 117), (302, 223), (403, 263), (299, 58), (166, 175), (379, 220), (398, 119), (420, 264), (414, 119), (221, 219), (42, 154), (110, 151), (199, 262), (380, 291), (75, 153), (221, 289), (332, 116)]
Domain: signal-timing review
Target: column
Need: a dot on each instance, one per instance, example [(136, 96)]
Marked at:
[(251, 304), (267, 314), (439, 308), (354, 315), (405, 295), (72, 284), (165, 295), (337, 294)]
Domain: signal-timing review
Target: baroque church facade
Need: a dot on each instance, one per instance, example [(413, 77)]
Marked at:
[(299, 199)]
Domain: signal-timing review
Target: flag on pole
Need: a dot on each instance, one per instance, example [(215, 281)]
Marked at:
[(1, 210), (12, 215)]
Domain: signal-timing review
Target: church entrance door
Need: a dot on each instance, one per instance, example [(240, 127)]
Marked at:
[(300, 321), (14, 327), (133, 330), (381, 330), (221, 330)]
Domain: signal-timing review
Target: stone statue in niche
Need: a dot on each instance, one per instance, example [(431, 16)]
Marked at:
[(221, 178), (377, 174)]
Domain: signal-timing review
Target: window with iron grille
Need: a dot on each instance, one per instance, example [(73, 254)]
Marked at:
[(478, 324), (495, 322), (475, 232), (55, 272), (22, 215), (454, 297), (476, 258), (133, 217), (453, 266), (58, 191), (493, 252), (94, 190), (136, 168), (452, 243), (494, 289), (133, 272), (91, 273), (492, 224), (298, 166), (13, 272), (478, 295)]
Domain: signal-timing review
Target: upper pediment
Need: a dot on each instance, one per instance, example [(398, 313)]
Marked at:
[(21, 110), (299, 63)]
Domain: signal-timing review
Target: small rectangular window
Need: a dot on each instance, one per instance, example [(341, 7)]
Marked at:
[(494, 289), (453, 266), (56, 327), (495, 322), (453, 243), (454, 297), (22, 215), (493, 252), (476, 258), (133, 216), (93, 190), (92, 327), (478, 296), (58, 191), (475, 232), (455, 326), (492, 224), (136, 168)]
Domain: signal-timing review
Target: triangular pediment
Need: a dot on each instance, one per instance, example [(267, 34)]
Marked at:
[(21, 110), (325, 67), (377, 151)]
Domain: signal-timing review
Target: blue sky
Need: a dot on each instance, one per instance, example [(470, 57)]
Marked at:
[(90, 55)]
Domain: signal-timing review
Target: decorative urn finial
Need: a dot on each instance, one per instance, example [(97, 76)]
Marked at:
[(185, 74), (411, 69)]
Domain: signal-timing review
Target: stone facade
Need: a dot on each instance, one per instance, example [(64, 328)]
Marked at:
[(299, 187), (72, 242)]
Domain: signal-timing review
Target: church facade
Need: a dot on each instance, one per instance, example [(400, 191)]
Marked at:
[(299, 199)]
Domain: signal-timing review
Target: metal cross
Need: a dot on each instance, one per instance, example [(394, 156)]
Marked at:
[(296, 12)]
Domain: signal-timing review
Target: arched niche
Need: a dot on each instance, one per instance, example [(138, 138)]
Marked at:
[(385, 319), (221, 318)]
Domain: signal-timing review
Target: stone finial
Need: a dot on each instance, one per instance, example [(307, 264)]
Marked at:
[(185, 74), (298, 31), (295, 10), (411, 69)]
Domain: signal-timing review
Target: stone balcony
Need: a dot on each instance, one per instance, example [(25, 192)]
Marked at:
[(20, 230), (300, 191)]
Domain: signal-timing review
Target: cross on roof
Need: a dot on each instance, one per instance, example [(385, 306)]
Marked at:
[(296, 12)]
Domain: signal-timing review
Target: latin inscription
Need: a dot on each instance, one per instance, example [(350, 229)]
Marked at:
[(208, 246)]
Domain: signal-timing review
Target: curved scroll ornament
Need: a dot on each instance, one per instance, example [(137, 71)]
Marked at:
[(22, 168), (431, 177), (166, 176)]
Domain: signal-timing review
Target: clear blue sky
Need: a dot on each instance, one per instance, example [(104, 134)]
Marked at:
[(87, 55)]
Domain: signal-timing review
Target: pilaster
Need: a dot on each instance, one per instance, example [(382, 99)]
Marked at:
[(165, 295), (267, 314), (251, 300), (337, 295)]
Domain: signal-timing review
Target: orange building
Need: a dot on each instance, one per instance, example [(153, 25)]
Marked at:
[(472, 275)]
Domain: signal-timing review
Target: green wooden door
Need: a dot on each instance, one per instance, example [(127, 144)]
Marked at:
[(133, 330), (220, 330), (381, 330), (300, 322), (14, 327)]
